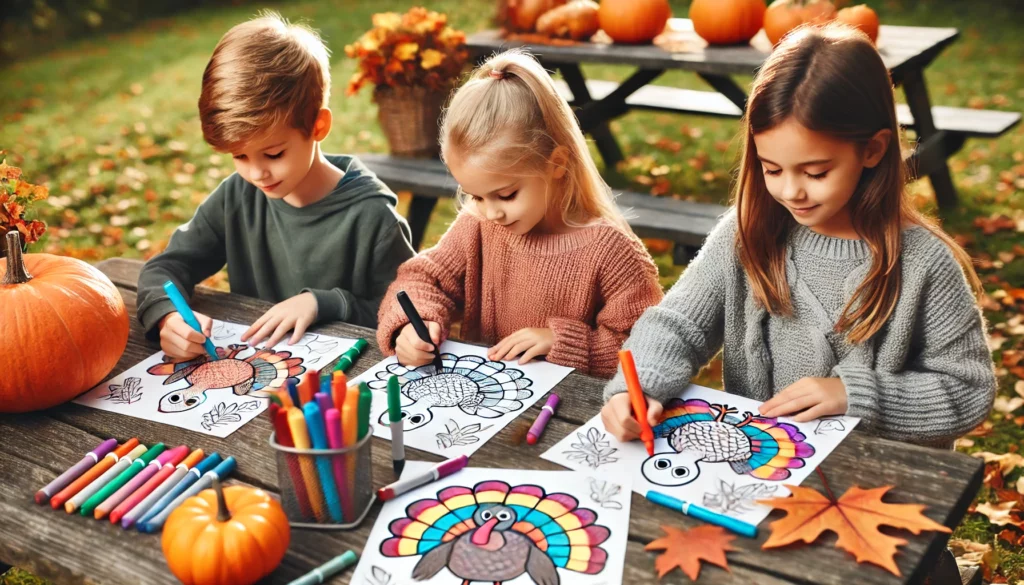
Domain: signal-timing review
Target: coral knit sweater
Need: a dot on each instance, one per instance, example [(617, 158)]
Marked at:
[(588, 286)]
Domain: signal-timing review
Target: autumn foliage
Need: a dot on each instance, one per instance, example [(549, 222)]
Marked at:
[(16, 195)]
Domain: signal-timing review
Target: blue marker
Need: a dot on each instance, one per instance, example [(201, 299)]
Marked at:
[(318, 434), (223, 469), (293, 391), (181, 305), (738, 526)]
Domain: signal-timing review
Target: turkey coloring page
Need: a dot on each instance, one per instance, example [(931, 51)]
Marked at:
[(501, 527), (212, 397), (456, 411), (711, 449)]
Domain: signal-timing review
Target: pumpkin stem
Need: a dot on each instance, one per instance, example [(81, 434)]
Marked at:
[(16, 273), (223, 514)]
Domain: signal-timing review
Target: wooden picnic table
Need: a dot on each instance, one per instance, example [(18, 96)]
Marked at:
[(35, 448), (906, 51)]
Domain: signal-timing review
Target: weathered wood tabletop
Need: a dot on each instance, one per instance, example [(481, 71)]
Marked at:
[(34, 448)]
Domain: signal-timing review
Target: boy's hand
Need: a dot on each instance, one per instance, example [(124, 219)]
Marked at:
[(530, 343), (816, 397), (296, 313), (617, 416), (413, 351), (180, 341)]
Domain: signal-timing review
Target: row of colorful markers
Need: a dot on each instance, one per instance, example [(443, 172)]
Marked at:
[(323, 413), (132, 484)]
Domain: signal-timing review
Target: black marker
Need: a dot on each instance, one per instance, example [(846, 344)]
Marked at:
[(419, 326)]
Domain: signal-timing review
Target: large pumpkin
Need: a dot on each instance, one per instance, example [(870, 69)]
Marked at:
[(727, 22), (633, 21), (63, 327), (862, 17), (231, 536)]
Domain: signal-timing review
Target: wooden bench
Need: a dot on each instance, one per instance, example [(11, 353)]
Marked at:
[(954, 125), (685, 223)]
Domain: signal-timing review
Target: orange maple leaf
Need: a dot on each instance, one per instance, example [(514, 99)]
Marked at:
[(855, 518), (687, 548)]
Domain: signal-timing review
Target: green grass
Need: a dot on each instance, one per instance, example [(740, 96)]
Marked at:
[(110, 124)]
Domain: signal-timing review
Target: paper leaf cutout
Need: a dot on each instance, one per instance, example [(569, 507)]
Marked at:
[(687, 548), (855, 518)]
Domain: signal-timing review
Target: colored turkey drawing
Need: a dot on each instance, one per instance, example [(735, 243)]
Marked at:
[(708, 439), (497, 531), (215, 397), (470, 392)]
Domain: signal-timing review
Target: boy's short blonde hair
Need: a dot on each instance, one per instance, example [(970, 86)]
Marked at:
[(263, 72)]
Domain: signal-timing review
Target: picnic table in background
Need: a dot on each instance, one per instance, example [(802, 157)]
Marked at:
[(906, 51), (71, 549)]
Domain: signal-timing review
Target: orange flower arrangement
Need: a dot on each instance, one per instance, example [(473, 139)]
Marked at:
[(417, 48), (16, 195)]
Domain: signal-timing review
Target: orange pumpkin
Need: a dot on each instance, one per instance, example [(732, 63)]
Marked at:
[(781, 17), (63, 325), (819, 11), (862, 17), (231, 536), (633, 21), (522, 15), (727, 22)]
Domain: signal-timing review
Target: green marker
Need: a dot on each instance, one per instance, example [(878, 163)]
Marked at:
[(350, 356), (115, 484), (365, 400), (397, 425)]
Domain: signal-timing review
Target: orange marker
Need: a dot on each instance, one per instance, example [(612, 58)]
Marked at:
[(637, 398), (308, 387), (285, 398), (95, 471), (339, 385)]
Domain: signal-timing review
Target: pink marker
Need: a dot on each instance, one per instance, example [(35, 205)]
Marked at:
[(542, 419), (333, 420), (176, 455), (443, 469)]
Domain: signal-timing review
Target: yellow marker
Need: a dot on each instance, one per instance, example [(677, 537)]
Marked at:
[(300, 436)]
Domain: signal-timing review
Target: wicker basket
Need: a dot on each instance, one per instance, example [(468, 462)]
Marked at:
[(410, 118)]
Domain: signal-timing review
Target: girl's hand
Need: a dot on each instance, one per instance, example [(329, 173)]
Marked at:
[(180, 341), (530, 342), (816, 397), (617, 416), (296, 313), (413, 351)]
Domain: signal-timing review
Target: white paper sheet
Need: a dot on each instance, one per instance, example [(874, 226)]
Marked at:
[(214, 398), (456, 412), (720, 460), (589, 510)]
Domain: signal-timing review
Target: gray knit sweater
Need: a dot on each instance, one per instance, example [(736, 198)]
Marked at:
[(926, 377)]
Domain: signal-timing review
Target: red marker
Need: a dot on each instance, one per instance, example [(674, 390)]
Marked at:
[(637, 398), (443, 469)]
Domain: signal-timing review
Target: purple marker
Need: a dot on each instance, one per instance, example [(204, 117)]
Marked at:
[(324, 402), (173, 456), (91, 458), (541, 423), (443, 469)]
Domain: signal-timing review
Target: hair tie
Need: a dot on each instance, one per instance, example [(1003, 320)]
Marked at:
[(497, 74)]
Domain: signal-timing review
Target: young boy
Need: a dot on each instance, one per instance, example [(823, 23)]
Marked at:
[(314, 233)]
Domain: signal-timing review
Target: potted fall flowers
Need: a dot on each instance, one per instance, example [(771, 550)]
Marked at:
[(16, 195), (413, 60)]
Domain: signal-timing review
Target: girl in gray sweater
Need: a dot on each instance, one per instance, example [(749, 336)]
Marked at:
[(825, 288)]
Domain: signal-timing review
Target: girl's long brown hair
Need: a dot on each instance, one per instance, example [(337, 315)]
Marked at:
[(831, 80)]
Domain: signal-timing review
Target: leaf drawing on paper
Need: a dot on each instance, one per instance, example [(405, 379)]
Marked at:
[(737, 499), (222, 331), (475, 385), (593, 449), (494, 532), (827, 425), (604, 493), (224, 414), (378, 576), (311, 341), (128, 392), (265, 369), (459, 436)]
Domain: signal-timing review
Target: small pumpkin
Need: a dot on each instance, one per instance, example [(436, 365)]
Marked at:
[(634, 21), (727, 22), (781, 17), (226, 536), (576, 20), (862, 17), (63, 326), (522, 15), (819, 11)]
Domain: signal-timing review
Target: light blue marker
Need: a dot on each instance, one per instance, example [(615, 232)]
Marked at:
[(220, 472), (193, 475), (181, 305), (738, 526), (318, 434)]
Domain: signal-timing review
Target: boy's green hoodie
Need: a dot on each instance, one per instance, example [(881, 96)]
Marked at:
[(345, 248)]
